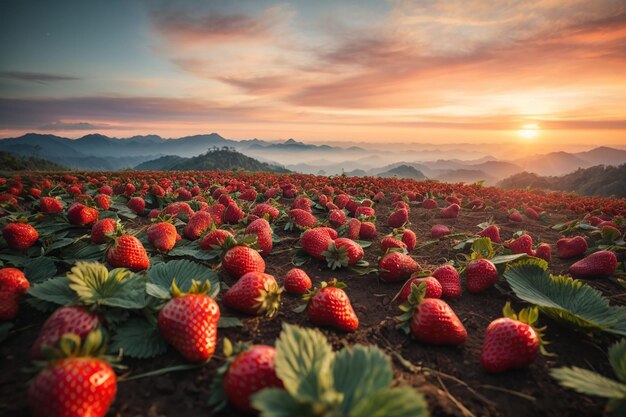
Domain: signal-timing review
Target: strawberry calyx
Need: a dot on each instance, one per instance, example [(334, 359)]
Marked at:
[(408, 308), (313, 291), (268, 301), (93, 282), (528, 316), (70, 345), (197, 287), (422, 273), (249, 240), (336, 257)]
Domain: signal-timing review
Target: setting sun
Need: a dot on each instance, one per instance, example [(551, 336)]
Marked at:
[(529, 131)]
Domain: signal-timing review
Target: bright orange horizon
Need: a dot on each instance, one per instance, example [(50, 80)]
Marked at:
[(536, 72)]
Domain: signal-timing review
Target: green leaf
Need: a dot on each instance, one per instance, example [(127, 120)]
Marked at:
[(5, 328), (184, 271), (588, 382), (192, 249), (303, 362), (609, 234), (226, 322), (40, 269), (617, 358), (58, 244), (360, 372), (364, 243), (56, 290), (504, 259), (275, 402), (138, 339), (392, 402), (483, 247), (14, 260), (84, 251)]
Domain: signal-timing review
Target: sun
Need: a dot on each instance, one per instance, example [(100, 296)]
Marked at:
[(529, 131)]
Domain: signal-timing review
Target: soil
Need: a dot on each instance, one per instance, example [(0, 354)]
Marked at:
[(451, 378)]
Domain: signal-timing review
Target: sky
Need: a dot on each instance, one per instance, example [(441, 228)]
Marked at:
[(540, 71)]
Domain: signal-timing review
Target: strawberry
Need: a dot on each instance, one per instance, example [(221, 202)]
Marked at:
[(523, 244), (571, 247), (343, 252), (263, 231), (316, 241), (20, 236), (601, 264), (214, 238), (254, 293), (163, 236), (364, 212), (433, 288), (367, 231), (128, 252), (515, 216), (439, 230), (396, 266), (336, 218), (100, 230), (73, 385), (302, 203), (431, 320), (330, 306), (391, 242), (492, 232), (248, 195), (198, 223), (68, 319), (302, 218), (137, 205), (531, 213), (240, 259), (398, 218), (449, 279), (250, 372), (217, 213), (409, 239), (262, 210), (13, 284), (297, 281), (429, 203), (354, 229), (511, 342), (450, 212), (341, 200), (544, 251), (232, 213), (50, 205), (189, 322), (480, 274), (82, 215), (103, 201)]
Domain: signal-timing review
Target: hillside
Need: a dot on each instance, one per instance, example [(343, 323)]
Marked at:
[(403, 171), (466, 175), (599, 180), (218, 159), (10, 162)]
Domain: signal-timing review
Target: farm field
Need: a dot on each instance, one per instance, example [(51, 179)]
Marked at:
[(349, 223)]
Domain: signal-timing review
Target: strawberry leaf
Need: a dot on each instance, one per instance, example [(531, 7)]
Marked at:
[(392, 402), (482, 248), (589, 382), (40, 269), (227, 322), (275, 402), (138, 339), (56, 290), (617, 358), (5, 328), (184, 271)]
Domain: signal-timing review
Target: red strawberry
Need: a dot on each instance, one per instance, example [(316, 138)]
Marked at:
[(198, 223), (396, 266), (367, 231), (50, 205), (302, 203), (336, 218), (354, 229), (13, 284), (240, 260), (391, 242), (431, 320), (248, 195), (266, 209), (398, 218), (163, 236), (450, 212), (363, 212), (137, 205), (439, 230), (343, 252), (73, 386), (69, 319), (82, 215), (20, 236), (330, 306), (316, 241), (601, 264), (189, 322), (341, 200), (429, 203), (128, 252), (250, 372), (515, 216), (492, 232), (531, 213), (232, 213), (523, 244), (511, 343), (571, 247), (254, 293), (433, 288), (297, 281), (103, 201), (302, 218), (480, 274), (214, 238), (263, 231), (217, 213), (409, 239), (101, 229), (449, 279), (544, 251)]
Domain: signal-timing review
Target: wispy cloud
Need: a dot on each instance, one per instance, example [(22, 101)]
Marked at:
[(60, 125), (36, 77)]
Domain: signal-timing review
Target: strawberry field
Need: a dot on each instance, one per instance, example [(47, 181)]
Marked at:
[(213, 293)]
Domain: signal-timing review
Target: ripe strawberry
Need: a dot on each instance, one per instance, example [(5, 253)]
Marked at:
[(330, 306), (128, 252), (449, 279), (316, 241), (601, 264), (364, 212), (82, 215), (450, 212), (198, 223), (297, 281), (232, 213), (433, 288), (189, 322), (100, 229), (431, 320), (398, 218), (544, 251), (391, 242), (103, 201), (13, 284), (492, 232), (163, 236), (396, 266), (50, 205), (250, 372), (429, 203), (336, 218), (531, 213), (68, 319), (263, 231), (409, 239), (511, 342), (480, 274), (302, 218), (302, 203), (439, 230), (367, 231), (515, 216), (214, 238), (254, 293), (343, 252), (266, 209), (239, 260), (20, 236), (341, 200), (353, 229), (571, 247), (137, 205), (248, 195), (523, 244)]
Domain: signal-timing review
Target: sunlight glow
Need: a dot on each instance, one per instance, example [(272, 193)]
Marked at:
[(529, 131)]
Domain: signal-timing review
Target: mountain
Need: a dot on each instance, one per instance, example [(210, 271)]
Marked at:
[(603, 155), (213, 160), (598, 180), (403, 171), (466, 175), (11, 162)]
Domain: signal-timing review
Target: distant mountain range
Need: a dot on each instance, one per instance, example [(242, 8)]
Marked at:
[(10, 162)]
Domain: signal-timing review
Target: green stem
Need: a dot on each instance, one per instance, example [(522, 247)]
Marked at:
[(163, 371)]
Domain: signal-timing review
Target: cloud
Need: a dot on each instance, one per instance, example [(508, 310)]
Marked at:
[(60, 125), (36, 77)]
